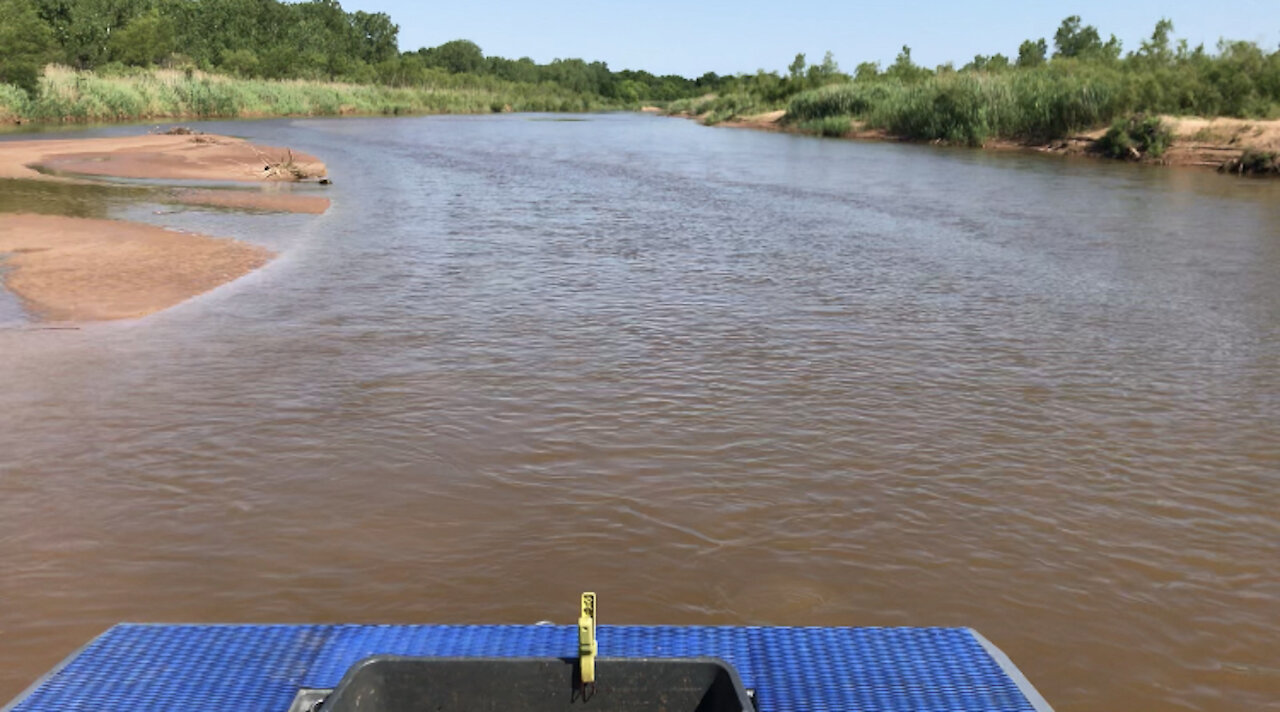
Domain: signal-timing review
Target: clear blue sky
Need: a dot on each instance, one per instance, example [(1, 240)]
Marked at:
[(694, 36)]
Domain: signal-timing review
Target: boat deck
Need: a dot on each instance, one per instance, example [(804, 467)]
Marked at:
[(252, 668)]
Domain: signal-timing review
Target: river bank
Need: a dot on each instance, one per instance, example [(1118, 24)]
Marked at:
[(67, 96), (1218, 143), (65, 268)]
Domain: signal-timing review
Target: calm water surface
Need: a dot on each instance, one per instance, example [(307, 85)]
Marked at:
[(720, 377)]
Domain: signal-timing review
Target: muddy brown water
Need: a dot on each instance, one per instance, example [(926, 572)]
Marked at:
[(717, 376)]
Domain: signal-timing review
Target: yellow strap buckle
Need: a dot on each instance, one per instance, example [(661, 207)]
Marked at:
[(587, 647)]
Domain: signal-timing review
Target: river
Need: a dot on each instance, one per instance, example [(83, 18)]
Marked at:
[(717, 376)]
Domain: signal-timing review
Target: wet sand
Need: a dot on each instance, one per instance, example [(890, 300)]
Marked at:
[(163, 156), (80, 269), (254, 201)]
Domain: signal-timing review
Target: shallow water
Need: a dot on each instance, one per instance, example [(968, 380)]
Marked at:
[(716, 376)]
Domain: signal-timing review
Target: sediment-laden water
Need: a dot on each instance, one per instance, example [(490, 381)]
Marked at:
[(717, 376)]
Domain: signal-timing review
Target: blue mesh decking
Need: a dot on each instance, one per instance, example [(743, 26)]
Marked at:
[(258, 668)]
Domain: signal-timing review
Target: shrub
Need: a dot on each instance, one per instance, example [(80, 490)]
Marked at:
[(1135, 137), (835, 100), (1253, 162), (834, 126)]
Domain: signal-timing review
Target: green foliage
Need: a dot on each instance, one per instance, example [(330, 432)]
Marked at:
[(1156, 51), (728, 107), (1076, 41), (1083, 87), (456, 56), (25, 44), (848, 99), (83, 28), (982, 63), (145, 41), (298, 39), (1032, 54), (956, 108), (905, 70), (1254, 162), (971, 107), (67, 95), (375, 36), (15, 103), (240, 62), (834, 126), (1135, 137), (1085, 84), (796, 68)]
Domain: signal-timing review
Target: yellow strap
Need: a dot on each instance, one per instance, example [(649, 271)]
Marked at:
[(587, 647)]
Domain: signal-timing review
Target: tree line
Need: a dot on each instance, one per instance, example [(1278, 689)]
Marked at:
[(1237, 78), (318, 39), (270, 39)]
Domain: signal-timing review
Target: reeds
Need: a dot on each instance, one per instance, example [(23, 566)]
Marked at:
[(970, 108), (70, 96), (14, 103), (833, 126)]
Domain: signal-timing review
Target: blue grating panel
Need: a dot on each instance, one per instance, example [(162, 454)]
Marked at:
[(146, 667), (154, 668)]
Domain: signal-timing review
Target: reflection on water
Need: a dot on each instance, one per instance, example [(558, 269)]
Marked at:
[(52, 198), (716, 376)]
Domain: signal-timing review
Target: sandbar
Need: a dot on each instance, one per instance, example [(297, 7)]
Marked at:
[(84, 269), (158, 156), (81, 269)]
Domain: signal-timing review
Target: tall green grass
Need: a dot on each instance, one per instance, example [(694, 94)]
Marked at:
[(14, 103), (717, 108), (833, 126), (970, 108), (67, 96), (836, 100)]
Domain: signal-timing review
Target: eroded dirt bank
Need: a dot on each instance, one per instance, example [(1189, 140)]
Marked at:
[(1209, 143)]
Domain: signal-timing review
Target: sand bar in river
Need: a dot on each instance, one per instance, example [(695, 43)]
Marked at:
[(80, 269)]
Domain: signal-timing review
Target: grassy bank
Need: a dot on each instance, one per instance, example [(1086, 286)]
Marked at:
[(970, 108), (65, 95), (1039, 105)]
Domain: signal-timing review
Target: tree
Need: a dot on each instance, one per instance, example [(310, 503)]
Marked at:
[(376, 35), (456, 56), (25, 44), (866, 71), (145, 41), (821, 73), (904, 69), (796, 68), (1073, 40), (241, 62), (83, 28), (1156, 50), (1032, 54), (983, 63)]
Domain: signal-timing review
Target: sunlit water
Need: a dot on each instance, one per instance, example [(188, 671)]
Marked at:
[(717, 376)]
